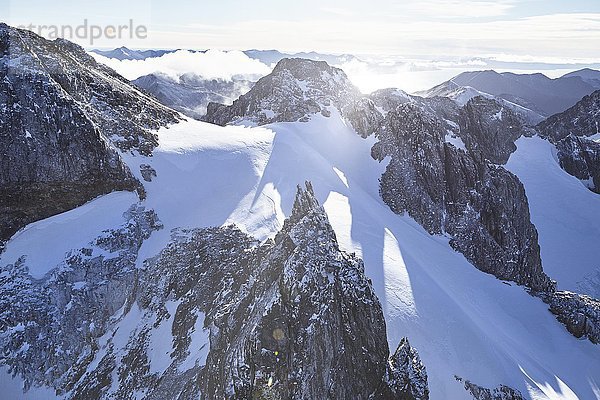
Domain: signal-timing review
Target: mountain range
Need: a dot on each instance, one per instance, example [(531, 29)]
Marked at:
[(534, 92), (303, 240)]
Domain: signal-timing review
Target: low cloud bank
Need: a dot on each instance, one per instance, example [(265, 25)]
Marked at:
[(212, 64)]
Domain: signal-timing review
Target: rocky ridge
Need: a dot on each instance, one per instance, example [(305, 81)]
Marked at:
[(445, 188), (501, 392), (61, 113), (293, 317), (575, 134), (445, 171)]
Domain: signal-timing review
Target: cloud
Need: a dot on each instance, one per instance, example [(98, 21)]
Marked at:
[(408, 75), (213, 64), (557, 35), (458, 8)]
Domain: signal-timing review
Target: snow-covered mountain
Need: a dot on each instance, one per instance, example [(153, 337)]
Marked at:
[(462, 94), (190, 93), (424, 221), (58, 111), (123, 53), (268, 57), (534, 92), (576, 134)]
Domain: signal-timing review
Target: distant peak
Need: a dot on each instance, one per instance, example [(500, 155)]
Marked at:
[(302, 64)]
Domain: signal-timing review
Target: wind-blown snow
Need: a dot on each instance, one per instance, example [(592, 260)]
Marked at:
[(45, 242), (565, 213)]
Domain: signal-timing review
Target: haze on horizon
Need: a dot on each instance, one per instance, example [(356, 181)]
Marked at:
[(424, 42)]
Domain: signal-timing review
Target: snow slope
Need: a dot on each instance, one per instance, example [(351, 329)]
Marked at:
[(565, 213), (461, 320), (46, 242)]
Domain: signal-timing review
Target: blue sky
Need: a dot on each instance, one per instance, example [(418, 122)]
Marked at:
[(532, 29)]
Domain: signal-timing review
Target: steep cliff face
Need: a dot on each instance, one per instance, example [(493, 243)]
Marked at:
[(575, 133), (579, 313), (60, 111), (580, 157), (582, 119), (489, 130), (482, 206), (215, 313)]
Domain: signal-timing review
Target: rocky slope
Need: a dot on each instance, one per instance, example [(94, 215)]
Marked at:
[(482, 206), (190, 94), (462, 94), (575, 134), (583, 119), (60, 113), (535, 92), (501, 392), (290, 318), (294, 90), (446, 189)]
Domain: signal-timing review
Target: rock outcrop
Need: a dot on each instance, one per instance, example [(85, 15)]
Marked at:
[(501, 392), (215, 313), (489, 130), (571, 133), (447, 190), (60, 114), (580, 157), (405, 377), (583, 119), (579, 313)]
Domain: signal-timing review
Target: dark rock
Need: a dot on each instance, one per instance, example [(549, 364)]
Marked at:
[(147, 172), (579, 313), (580, 157), (568, 131), (405, 377), (59, 113), (583, 119), (501, 392), (482, 206), (489, 129)]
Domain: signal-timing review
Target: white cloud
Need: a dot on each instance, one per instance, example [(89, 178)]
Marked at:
[(458, 8), (556, 35), (214, 64)]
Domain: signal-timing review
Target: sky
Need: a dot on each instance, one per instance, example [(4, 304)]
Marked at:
[(536, 29), (440, 35)]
